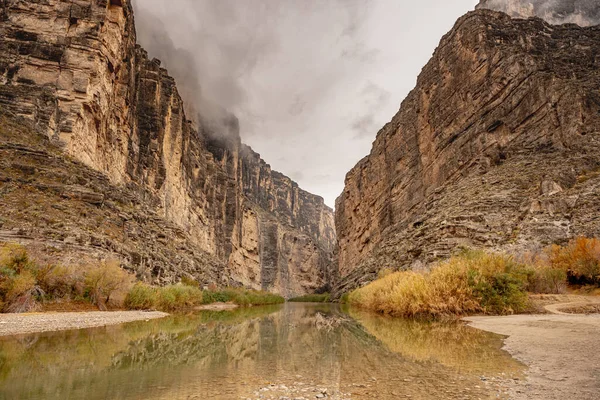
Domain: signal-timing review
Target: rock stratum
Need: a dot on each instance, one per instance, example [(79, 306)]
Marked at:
[(98, 160), (497, 147)]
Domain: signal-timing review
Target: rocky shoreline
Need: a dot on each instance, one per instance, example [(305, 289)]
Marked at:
[(20, 324)]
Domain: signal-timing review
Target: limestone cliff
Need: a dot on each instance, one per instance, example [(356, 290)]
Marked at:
[(498, 146), (73, 71)]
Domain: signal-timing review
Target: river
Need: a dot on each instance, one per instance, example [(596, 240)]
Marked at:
[(291, 351)]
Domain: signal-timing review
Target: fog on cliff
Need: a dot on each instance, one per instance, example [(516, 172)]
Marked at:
[(581, 12), (311, 81)]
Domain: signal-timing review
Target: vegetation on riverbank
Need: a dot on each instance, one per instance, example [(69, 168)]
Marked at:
[(182, 297), (311, 298), (27, 285), (479, 282)]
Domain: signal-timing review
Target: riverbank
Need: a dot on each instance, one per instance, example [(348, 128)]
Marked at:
[(19, 324), (562, 352)]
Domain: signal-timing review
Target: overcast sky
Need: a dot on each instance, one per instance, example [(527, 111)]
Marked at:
[(311, 81)]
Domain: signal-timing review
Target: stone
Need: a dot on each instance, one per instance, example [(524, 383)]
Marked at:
[(72, 72), (497, 147)]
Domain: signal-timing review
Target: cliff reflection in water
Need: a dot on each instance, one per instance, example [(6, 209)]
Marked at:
[(232, 355)]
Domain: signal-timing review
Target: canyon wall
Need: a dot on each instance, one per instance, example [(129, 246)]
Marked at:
[(73, 71), (497, 147)]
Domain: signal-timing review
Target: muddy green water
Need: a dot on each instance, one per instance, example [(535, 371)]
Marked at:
[(293, 351)]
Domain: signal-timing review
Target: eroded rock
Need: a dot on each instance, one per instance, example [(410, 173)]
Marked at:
[(74, 72), (497, 147)]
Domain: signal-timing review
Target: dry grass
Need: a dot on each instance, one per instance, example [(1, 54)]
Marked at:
[(27, 284), (105, 280), (478, 282), (473, 282)]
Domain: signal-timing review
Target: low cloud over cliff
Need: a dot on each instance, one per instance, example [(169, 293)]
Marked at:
[(581, 12), (311, 82)]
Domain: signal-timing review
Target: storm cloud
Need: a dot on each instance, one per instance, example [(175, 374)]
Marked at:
[(311, 81), (581, 12)]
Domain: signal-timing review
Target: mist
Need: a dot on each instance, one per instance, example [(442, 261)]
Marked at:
[(310, 81), (580, 12)]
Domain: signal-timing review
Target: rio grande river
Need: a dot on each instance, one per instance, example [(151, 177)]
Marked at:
[(293, 351)]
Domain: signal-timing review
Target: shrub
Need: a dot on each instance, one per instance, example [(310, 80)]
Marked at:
[(104, 280), (580, 259), (187, 281), (22, 293), (18, 289), (209, 297), (14, 257), (498, 282), (311, 298), (245, 297), (141, 297), (178, 297), (547, 279), (61, 282), (467, 283), (344, 298)]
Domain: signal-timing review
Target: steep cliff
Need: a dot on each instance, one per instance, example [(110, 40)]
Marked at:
[(498, 146), (73, 71)]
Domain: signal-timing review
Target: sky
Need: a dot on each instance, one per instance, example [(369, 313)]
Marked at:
[(311, 81)]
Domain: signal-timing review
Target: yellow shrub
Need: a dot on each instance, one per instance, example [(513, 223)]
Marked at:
[(580, 258), (467, 283), (20, 285), (106, 280)]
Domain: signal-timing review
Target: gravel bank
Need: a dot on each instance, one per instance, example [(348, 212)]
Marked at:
[(561, 351), (18, 324)]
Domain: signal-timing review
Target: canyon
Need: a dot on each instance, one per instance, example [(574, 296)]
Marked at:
[(497, 147), (100, 161)]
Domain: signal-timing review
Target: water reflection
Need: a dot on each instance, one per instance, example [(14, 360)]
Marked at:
[(295, 350)]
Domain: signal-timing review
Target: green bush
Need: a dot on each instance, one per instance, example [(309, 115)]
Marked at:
[(344, 298), (141, 297), (209, 297), (178, 297), (311, 298), (245, 297), (547, 279)]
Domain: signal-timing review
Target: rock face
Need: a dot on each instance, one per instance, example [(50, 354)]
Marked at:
[(580, 12), (73, 70), (498, 147)]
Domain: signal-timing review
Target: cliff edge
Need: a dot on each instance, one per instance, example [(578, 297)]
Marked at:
[(72, 75)]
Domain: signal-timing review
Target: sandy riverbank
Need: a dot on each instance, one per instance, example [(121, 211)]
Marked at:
[(17, 324), (561, 351)]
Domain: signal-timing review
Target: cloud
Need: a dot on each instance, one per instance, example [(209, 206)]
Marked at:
[(219, 50), (374, 98), (310, 81), (581, 12)]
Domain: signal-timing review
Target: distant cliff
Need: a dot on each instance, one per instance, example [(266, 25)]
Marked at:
[(498, 146), (73, 72)]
